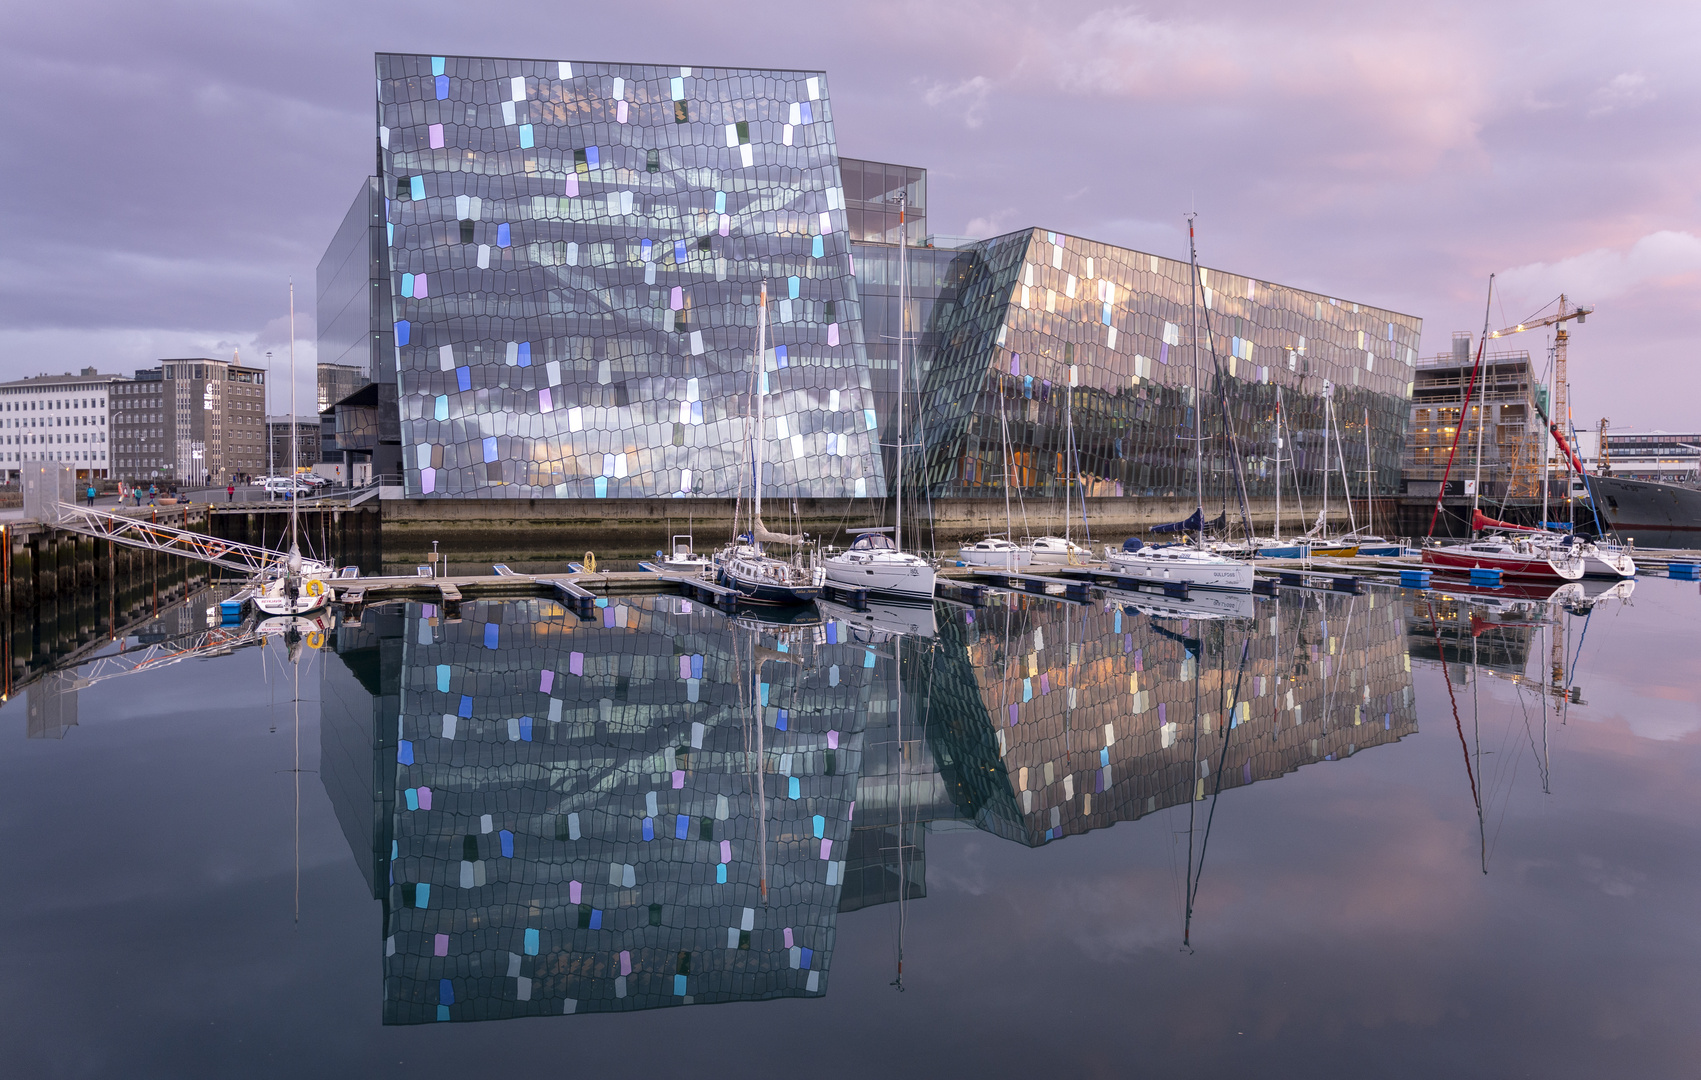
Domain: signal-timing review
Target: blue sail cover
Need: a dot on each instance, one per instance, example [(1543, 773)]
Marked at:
[(1190, 525)]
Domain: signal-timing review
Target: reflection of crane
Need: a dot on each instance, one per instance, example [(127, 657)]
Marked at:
[(1559, 414)]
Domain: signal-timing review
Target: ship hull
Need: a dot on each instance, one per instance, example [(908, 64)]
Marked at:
[(1653, 515)]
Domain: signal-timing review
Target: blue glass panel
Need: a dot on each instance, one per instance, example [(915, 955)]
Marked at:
[(491, 632), (649, 829), (402, 329), (507, 844), (502, 235), (463, 380), (525, 136), (442, 87), (466, 707), (525, 354), (441, 411), (531, 941), (490, 448), (437, 66), (416, 187), (404, 752)]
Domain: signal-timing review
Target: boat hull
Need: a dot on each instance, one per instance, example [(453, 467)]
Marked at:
[(1533, 567), (1653, 515), (767, 592), (905, 581), (1607, 564), (997, 560), (1227, 575)]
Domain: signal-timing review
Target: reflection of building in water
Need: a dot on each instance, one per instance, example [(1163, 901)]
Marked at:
[(569, 812), (1442, 629), (561, 817), (1051, 719)]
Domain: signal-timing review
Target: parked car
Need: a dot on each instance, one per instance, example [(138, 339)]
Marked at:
[(287, 487)]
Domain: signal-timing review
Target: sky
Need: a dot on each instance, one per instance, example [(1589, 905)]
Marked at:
[(167, 168)]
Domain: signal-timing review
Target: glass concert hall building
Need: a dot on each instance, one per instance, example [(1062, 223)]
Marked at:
[(553, 284)]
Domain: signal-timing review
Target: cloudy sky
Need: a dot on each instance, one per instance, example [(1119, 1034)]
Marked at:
[(169, 166)]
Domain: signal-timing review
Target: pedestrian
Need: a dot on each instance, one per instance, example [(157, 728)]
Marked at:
[(230, 493), (91, 495), (137, 491), (153, 493)]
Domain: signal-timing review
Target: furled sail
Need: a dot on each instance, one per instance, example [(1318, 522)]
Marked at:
[(764, 536)]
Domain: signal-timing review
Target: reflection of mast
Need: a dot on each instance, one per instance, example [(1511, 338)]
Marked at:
[(1476, 737), (903, 884), (1458, 725), (1233, 703)]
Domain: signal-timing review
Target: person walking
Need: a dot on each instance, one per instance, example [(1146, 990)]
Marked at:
[(91, 496), (230, 493), (153, 493)]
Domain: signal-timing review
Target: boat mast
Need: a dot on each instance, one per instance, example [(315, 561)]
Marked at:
[(756, 525), (1198, 430), (1004, 430), (903, 312), (1278, 532), (1328, 393), (1069, 448), (294, 442), (1369, 474)]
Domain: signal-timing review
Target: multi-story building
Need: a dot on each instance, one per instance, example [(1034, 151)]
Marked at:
[(553, 284), (278, 450), (1510, 432), (65, 418), (191, 421)]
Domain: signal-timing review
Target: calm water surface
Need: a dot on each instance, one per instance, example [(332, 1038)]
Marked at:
[(512, 839)]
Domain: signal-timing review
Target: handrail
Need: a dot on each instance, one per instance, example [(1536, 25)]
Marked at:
[(152, 536)]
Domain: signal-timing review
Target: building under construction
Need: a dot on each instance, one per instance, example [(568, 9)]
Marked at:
[(1503, 415)]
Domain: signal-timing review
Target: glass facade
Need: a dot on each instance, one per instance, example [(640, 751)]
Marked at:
[(575, 256), (554, 281), (571, 816), (1035, 315)]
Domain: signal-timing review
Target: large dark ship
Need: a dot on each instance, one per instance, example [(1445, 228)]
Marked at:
[(1653, 515)]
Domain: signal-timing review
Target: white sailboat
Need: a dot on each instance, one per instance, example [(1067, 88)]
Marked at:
[(1062, 550), (744, 565), (303, 586), (999, 551), (1192, 565), (875, 561)]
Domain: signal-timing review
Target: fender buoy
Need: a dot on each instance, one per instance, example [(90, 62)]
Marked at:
[(315, 587), (316, 640), (590, 562)]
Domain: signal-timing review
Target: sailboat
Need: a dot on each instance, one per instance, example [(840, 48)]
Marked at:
[(1316, 541), (999, 551), (303, 585), (744, 564), (1520, 557), (876, 561), (1063, 549), (1192, 565)]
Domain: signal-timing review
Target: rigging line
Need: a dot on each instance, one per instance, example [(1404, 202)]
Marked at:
[(1192, 769), (1458, 724), (1464, 411), (1222, 759)]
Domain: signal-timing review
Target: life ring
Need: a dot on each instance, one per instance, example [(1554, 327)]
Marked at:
[(315, 587), (590, 562), (316, 639)]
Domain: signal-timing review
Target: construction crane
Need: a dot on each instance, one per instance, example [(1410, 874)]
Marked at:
[(1559, 414)]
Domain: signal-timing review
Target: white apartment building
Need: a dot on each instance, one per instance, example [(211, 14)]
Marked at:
[(65, 418)]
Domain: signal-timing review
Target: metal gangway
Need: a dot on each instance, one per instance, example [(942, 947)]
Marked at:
[(152, 536)]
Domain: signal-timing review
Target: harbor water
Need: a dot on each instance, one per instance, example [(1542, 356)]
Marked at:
[(1405, 833)]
